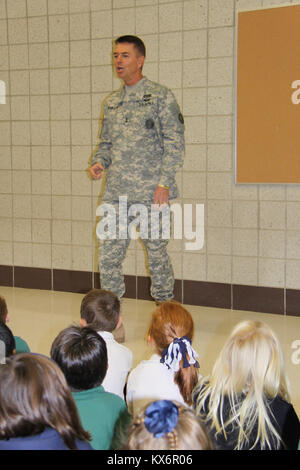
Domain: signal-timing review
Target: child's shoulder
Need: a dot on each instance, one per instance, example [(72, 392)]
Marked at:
[(121, 348), (124, 348), (148, 364), (21, 345), (116, 349), (114, 399)]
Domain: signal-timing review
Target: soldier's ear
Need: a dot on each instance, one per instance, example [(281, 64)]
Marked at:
[(141, 60)]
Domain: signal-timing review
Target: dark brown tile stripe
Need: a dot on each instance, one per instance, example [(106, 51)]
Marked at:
[(32, 278), (293, 302), (130, 286), (208, 294), (96, 281), (143, 288), (178, 290), (72, 281), (258, 299), (6, 276)]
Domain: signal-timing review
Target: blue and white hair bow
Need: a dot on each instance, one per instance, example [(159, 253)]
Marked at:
[(177, 350), (161, 417)]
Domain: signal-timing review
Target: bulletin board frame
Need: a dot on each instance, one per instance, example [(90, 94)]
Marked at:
[(267, 107)]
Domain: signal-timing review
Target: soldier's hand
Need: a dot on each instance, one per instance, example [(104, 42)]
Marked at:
[(161, 196), (96, 171)]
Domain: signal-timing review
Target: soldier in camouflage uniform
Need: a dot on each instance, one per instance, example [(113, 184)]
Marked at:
[(142, 147)]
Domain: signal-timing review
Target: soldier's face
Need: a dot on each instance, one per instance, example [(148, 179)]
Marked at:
[(128, 63)]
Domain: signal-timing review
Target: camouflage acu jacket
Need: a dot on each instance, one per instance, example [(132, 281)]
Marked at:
[(142, 142)]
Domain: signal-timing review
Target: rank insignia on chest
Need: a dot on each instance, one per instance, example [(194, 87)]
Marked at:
[(147, 97), (149, 124)]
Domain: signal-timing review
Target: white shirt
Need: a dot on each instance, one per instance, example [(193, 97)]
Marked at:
[(151, 380), (119, 364)]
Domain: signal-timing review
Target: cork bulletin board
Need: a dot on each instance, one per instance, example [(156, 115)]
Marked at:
[(267, 120)]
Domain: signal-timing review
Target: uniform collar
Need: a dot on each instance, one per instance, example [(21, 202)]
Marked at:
[(136, 90)]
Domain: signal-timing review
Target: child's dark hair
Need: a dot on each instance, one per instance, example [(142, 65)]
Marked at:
[(8, 339), (82, 356), (34, 395), (138, 43), (3, 309), (100, 309)]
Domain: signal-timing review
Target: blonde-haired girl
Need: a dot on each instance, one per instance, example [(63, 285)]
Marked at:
[(245, 402), (172, 372)]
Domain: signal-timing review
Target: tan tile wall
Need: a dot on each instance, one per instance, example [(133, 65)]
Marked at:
[(55, 59)]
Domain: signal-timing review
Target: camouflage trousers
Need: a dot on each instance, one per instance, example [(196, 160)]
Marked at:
[(112, 252)]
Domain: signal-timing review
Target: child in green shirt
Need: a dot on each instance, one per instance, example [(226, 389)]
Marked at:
[(82, 356)]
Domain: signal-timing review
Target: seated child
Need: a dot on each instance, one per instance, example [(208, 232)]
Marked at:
[(82, 356), (37, 410), (172, 372), (245, 402), (167, 425), (100, 310), (7, 343), (21, 345)]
